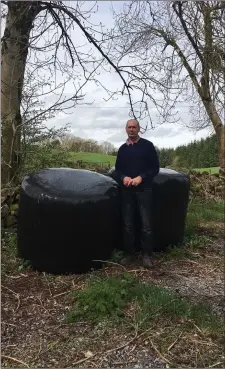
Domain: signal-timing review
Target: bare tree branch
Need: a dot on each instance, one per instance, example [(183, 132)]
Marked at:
[(164, 54), (175, 48)]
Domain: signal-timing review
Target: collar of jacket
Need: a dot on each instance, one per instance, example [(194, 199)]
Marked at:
[(129, 142)]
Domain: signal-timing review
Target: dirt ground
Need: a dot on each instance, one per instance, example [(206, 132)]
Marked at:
[(34, 306)]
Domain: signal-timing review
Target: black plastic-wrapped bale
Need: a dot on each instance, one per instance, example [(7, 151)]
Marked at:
[(170, 194), (170, 204), (67, 218)]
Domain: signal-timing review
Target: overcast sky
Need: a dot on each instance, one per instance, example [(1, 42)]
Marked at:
[(105, 121)]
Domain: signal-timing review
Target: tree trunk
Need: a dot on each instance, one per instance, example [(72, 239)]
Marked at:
[(205, 86), (15, 41), (219, 130), (221, 145)]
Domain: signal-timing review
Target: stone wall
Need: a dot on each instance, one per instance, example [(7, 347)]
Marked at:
[(207, 187), (9, 206)]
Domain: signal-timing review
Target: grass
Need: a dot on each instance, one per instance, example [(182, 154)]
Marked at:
[(53, 158), (10, 263), (109, 298), (103, 298), (182, 328), (158, 302), (200, 217), (199, 213), (212, 211), (92, 157), (112, 295), (211, 170), (186, 250), (86, 157), (9, 260)]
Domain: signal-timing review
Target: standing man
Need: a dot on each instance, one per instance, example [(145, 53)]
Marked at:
[(136, 165)]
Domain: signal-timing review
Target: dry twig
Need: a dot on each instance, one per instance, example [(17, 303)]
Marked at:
[(171, 346), (14, 359), (159, 353), (128, 343), (85, 359), (218, 363), (111, 262), (123, 346)]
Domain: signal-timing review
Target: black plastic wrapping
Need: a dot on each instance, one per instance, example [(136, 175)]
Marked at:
[(170, 192), (67, 218)]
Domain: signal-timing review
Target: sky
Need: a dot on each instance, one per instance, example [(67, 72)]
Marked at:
[(106, 120)]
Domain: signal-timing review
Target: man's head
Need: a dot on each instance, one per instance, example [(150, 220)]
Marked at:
[(132, 129)]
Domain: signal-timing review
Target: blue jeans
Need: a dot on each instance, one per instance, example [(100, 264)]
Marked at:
[(137, 211)]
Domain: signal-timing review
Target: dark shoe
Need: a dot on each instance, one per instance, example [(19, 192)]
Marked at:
[(147, 263), (129, 259)]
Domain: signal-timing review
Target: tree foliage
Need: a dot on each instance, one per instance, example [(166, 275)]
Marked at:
[(197, 154)]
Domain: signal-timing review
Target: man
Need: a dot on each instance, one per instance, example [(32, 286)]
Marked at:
[(136, 165)]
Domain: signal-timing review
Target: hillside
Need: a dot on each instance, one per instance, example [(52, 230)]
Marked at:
[(92, 157), (110, 159)]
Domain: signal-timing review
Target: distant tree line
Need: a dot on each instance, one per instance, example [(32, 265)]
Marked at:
[(71, 143), (197, 154)]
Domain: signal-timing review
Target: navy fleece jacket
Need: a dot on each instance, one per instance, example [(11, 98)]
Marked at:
[(138, 159)]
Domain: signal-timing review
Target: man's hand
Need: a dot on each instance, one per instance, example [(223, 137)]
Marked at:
[(136, 181), (127, 181)]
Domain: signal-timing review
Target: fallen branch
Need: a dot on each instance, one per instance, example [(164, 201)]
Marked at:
[(125, 345), (8, 289), (128, 343), (218, 363), (111, 262), (172, 345), (138, 270), (14, 359), (61, 294), (85, 359), (17, 276), (213, 242), (50, 292), (16, 295), (159, 353)]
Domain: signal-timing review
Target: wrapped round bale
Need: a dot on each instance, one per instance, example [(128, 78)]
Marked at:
[(67, 218), (170, 194)]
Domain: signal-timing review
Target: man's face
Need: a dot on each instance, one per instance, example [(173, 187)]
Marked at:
[(132, 128)]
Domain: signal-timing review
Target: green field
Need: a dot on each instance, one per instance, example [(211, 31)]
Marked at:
[(211, 170), (92, 157), (103, 158), (53, 157)]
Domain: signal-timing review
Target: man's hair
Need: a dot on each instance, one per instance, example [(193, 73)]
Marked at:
[(135, 120)]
